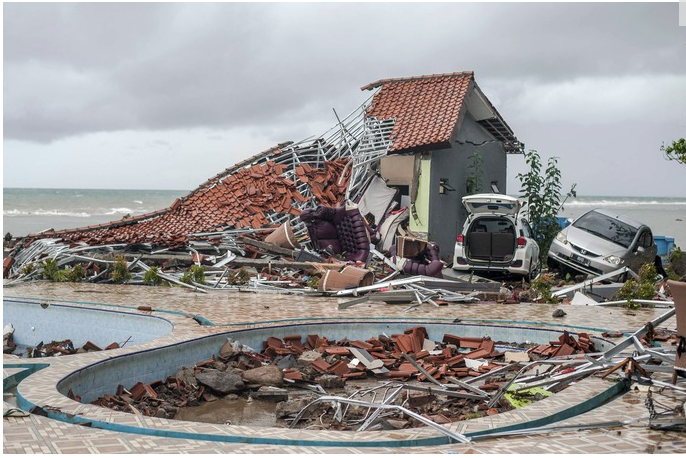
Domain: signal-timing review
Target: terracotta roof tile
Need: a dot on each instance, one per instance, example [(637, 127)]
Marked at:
[(426, 108), (221, 202)]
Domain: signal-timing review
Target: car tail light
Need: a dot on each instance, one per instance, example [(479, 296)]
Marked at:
[(521, 242), (460, 239)]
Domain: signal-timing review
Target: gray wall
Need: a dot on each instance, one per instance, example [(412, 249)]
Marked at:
[(446, 212)]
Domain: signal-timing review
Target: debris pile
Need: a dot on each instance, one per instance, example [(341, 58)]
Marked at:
[(254, 198), (8, 345), (58, 348), (429, 373)]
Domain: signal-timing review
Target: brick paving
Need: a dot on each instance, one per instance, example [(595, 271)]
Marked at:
[(234, 310)]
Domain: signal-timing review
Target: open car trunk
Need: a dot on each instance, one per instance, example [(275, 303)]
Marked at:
[(491, 239)]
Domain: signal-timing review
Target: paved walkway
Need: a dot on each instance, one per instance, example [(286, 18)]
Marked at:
[(233, 310)]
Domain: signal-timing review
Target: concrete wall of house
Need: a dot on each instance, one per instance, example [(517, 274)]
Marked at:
[(446, 212)]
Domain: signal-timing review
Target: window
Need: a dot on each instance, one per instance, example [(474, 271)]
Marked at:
[(526, 229), (607, 228)]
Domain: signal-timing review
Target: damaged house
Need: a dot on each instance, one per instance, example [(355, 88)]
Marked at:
[(432, 139), (448, 141)]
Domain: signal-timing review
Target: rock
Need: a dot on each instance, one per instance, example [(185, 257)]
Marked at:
[(287, 362), (517, 356), (330, 381), (264, 376), (559, 313), (292, 407), (231, 397), (235, 370), (271, 393), (229, 350), (420, 399), (219, 366), (208, 397), (396, 424), (221, 382), (525, 296), (308, 357), (187, 376)]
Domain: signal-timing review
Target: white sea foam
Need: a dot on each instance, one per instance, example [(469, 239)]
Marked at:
[(139, 202), (41, 212), (12, 213), (122, 210), (622, 203)]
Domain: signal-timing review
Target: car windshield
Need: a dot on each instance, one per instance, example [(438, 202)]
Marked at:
[(607, 228)]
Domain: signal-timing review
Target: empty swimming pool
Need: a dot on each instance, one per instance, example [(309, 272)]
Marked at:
[(36, 322)]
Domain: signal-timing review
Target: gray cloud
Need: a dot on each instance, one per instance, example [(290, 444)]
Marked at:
[(159, 83), (72, 69)]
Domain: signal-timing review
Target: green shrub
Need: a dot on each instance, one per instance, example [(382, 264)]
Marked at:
[(120, 271), (642, 288), (241, 277), (76, 273), (196, 274), (313, 282), (152, 277), (542, 286), (475, 178), (542, 192), (52, 272), (28, 269)]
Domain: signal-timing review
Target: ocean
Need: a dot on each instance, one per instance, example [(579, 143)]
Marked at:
[(33, 210), (26, 211)]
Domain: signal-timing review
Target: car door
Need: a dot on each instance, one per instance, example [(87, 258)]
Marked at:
[(533, 249), (644, 251)]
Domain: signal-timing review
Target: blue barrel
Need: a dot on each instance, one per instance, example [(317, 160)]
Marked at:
[(563, 221), (664, 244)]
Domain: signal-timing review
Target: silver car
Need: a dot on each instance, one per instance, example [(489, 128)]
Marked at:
[(600, 242)]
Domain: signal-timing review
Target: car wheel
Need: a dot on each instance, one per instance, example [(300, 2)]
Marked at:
[(534, 272), (552, 263)]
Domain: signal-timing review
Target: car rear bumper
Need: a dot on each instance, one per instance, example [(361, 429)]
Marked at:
[(464, 265)]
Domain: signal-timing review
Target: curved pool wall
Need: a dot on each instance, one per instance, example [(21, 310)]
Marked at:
[(147, 366), (34, 324)]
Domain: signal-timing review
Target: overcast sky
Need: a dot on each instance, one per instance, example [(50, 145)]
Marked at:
[(165, 95)]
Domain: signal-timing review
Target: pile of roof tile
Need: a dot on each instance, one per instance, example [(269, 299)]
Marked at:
[(384, 356), (328, 184), (565, 346), (65, 347), (239, 199)]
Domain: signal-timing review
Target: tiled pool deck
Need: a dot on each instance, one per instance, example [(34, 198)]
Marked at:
[(233, 310)]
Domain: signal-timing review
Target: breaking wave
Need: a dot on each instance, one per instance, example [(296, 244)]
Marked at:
[(122, 210), (72, 214), (41, 212), (622, 202)]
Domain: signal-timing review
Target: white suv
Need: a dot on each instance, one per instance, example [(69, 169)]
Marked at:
[(496, 238)]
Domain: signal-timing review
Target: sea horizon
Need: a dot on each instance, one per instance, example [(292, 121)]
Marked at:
[(185, 191), (31, 210)]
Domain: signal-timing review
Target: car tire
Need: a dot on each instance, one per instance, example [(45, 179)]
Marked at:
[(533, 272), (552, 263)]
